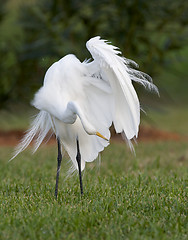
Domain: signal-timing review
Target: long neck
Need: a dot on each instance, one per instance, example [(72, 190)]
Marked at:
[(75, 109)]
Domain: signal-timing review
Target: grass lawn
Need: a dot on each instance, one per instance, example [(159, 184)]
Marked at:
[(171, 119), (126, 197), (16, 117)]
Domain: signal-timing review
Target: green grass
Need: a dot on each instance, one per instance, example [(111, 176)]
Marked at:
[(126, 197), (16, 117), (171, 119)]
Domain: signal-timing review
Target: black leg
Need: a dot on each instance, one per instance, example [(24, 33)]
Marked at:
[(78, 159), (59, 159)]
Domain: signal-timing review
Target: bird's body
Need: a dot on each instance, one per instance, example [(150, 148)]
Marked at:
[(79, 101), (60, 94)]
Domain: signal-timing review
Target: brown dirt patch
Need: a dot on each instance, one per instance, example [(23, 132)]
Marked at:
[(12, 138), (153, 134)]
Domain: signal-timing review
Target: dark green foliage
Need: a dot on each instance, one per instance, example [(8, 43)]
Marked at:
[(34, 35), (10, 46)]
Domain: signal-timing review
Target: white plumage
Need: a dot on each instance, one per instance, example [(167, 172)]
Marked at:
[(79, 99)]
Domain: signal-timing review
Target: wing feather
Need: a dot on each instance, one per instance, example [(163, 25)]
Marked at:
[(116, 70), (126, 109), (102, 89)]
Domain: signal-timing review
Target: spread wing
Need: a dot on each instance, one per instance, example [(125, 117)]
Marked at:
[(102, 89), (113, 70)]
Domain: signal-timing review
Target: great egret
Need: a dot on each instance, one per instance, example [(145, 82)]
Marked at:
[(79, 101)]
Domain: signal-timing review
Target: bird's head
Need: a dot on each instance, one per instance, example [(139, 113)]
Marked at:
[(100, 135), (88, 127), (91, 130)]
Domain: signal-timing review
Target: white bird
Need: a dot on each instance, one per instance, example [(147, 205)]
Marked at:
[(79, 101)]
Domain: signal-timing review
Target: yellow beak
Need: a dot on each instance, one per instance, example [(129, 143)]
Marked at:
[(100, 135)]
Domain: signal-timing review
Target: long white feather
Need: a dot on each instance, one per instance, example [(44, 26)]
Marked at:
[(101, 89), (40, 127), (116, 70)]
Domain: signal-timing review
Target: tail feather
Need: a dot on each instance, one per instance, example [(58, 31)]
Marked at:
[(40, 127)]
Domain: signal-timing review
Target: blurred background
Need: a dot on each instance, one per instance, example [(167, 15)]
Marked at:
[(141, 196), (34, 34)]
